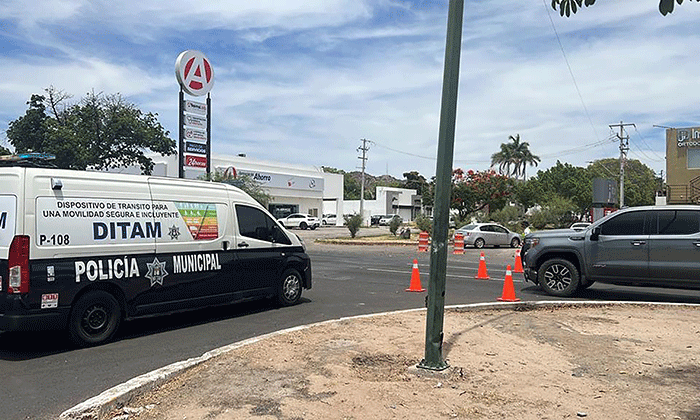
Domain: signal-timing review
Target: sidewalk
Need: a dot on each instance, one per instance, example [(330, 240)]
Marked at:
[(599, 360)]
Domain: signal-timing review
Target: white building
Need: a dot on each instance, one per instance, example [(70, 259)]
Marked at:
[(406, 203)]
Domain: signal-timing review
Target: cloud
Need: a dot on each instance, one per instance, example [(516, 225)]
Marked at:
[(304, 81)]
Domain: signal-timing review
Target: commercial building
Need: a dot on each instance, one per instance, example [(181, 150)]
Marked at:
[(293, 188), (683, 165)]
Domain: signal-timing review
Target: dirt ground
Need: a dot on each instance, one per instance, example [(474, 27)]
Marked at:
[(609, 362)]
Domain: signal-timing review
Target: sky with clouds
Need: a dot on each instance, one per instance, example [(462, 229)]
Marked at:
[(302, 81)]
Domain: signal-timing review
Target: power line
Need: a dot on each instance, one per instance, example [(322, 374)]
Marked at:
[(571, 72), (564, 152), (660, 158)]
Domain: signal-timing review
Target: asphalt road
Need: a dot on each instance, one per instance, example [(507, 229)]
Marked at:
[(43, 375)]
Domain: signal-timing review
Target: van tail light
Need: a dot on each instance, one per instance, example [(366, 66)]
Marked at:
[(18, 262)]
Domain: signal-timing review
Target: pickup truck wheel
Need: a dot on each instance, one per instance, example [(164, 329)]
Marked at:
[(479, 243), (558, 277), (94, 318), (290, 287)]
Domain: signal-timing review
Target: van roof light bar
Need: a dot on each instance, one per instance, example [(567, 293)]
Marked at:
[(32, 159)]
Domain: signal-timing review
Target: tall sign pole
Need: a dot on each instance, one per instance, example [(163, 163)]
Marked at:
[(438, 255), (181, 136), (208, 135), (196, 77)]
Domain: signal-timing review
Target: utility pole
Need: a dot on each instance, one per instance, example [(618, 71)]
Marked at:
[(364, 149), (443, 172), (624, 148)]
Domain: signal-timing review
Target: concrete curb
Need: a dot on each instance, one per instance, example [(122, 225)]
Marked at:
[(96, 407)]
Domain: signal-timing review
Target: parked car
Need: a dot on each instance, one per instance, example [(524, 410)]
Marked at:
[(579, 226), (374, 219), (300, 220), (653, 246), (479, 235), (329, 219), (386, 220)]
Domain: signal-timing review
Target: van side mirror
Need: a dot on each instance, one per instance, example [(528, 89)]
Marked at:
[(595, 233)]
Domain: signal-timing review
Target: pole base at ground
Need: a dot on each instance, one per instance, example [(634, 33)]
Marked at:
[(441, 365)]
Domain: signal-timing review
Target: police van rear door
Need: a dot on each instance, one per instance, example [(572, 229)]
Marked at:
[(10, 186)]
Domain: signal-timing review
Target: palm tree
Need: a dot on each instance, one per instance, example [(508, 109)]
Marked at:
[(504, 159), (528, 159), (522, 156), (516, 154)]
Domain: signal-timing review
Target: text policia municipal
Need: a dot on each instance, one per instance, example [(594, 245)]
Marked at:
[(128, 267)]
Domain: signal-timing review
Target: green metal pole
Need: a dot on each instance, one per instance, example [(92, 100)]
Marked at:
[(438, 255)]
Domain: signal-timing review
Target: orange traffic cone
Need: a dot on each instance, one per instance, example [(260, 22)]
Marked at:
[(508, 294), (518, 262), (415, 279), (482, 274)]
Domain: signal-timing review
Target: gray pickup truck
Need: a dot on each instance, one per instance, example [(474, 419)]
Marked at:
[(656, 246)]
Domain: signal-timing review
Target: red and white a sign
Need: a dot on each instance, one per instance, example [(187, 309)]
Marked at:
[(194, 72)]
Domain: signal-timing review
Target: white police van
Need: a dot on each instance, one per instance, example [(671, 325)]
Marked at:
[(84, 250)]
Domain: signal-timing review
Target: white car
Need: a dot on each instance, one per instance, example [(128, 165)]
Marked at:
[(386, 220), (329, 219), (300, 220), (479, 235)]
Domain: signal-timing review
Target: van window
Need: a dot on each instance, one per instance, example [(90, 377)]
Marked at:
[(254, 223)]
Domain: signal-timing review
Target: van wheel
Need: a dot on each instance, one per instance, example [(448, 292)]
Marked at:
[(558, 277), (289, 292), (94, 318)]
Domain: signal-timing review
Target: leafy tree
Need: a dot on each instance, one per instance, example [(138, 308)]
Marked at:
[(527, 193), (332, 170), (507, 216), (416, 181), (565, 181), (351, 188), (245, 182), (568, 7), (640, 180), (100, 132), (4, 151), (429, 197), (558, 212), (474, 191), (424, 223), (33, 126)]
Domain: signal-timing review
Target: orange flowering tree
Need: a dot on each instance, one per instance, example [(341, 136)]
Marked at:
[(473, 191)]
